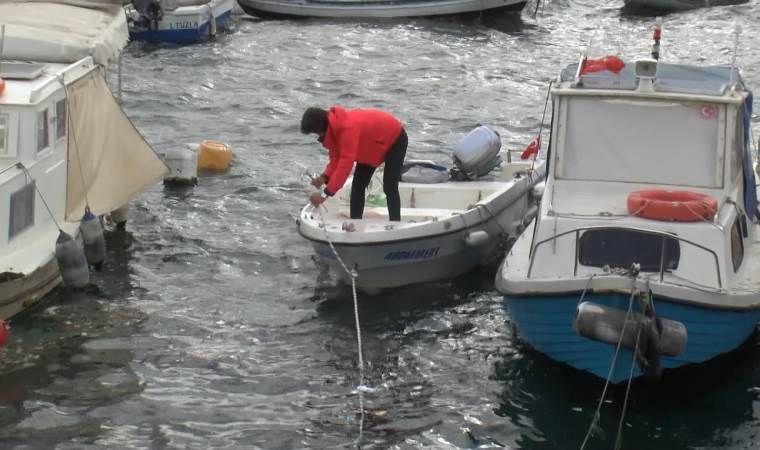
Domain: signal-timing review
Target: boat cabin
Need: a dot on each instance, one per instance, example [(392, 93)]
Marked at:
[(33, 146), (654, 127)]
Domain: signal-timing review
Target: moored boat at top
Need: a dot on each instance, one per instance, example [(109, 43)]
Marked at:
[(375, 8), (66, 147), (647, 235), (179, 21)]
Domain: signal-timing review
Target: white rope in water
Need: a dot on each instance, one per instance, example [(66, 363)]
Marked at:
[(351, 273)]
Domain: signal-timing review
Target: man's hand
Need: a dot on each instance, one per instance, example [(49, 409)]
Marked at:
[(318, 181), (316, 199)]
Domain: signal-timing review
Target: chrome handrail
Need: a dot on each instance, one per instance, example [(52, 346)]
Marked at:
[(662, 234)]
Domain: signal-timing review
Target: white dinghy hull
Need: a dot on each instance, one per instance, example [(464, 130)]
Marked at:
[(429, 244)]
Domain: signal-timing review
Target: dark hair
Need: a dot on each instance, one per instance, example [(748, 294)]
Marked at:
[(314, 120)]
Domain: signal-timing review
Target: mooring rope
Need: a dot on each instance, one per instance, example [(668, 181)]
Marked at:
[(595, 419), (353, 274)]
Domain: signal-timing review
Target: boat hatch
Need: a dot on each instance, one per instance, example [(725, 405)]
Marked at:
[(622, 248), (20, 70)]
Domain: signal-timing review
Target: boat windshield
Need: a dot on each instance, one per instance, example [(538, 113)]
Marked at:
[(641, 141)]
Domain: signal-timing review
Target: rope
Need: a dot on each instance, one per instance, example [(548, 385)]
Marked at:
[(27, 174), (543, 118), (619, 437), (353, 275), (74, 137), (585, 289), (595, 419)]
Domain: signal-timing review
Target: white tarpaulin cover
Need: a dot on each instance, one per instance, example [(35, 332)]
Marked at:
[(63, 31), (116, 162)]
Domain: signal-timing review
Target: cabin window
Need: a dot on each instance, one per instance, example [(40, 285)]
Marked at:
[(641, 141), (60, 119), (3, 134), (43, 137), (737, 245), (22, 210), (621, 248)]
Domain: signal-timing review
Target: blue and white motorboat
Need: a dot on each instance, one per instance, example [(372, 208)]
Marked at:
[(645, 251), (181, 21)]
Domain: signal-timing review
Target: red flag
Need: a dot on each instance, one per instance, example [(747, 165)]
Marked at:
[(532, 148)]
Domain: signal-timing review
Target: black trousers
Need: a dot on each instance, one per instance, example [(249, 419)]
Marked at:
[(394, 160)]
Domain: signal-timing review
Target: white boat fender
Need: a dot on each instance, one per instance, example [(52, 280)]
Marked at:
[(211, 21), (120, 215), (605, 324), (94, 241), (71, 261), (476, 238)]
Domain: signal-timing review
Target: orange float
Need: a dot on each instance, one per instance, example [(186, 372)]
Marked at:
[(679, 206), (2, 86)]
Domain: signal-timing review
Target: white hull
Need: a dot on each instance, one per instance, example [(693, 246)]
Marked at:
[(375, 9), (419, 261), (19, 294)]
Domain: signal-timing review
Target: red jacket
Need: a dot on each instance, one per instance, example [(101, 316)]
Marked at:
[(356, 135)]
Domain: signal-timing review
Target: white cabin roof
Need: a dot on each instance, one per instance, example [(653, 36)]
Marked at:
[(43, 79), (708, 81)]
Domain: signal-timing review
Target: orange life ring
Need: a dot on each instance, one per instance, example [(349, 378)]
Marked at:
[(680, 206)]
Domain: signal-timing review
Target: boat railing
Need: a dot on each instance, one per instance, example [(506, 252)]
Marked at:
[(664, 239)]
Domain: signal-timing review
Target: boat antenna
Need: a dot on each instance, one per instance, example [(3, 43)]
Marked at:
[(737, 33), (656, 34), (2, 44)]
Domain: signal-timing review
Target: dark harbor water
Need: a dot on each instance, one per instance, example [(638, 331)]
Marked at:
[(211, 325)]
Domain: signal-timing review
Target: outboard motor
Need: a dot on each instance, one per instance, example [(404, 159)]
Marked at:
[(476, 154), (150, 13)]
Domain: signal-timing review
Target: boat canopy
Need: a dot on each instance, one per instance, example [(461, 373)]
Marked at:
[(63, 31), (685, 79), (109, 161)]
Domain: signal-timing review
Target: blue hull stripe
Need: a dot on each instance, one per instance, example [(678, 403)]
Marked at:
[(183, 35), (546, 323)]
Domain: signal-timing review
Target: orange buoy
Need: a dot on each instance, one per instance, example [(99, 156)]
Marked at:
[(679, 206), (2, 86), (214, 156)]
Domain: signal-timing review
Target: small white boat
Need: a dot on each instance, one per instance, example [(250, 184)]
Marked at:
[(647, 238), (65, 144), (446, 229), (180, 21), (375, 8)]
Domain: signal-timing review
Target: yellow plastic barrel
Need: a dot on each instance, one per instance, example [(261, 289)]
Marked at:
[(214, 156)]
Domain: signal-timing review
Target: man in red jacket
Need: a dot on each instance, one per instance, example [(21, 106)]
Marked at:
[(367, 137)]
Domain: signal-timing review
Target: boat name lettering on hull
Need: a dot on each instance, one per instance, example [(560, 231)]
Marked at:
[(182, 25), (420, 253)]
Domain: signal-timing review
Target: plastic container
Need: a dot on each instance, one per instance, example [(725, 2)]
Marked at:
[(477, 153), (183, 167), (214, 156)]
